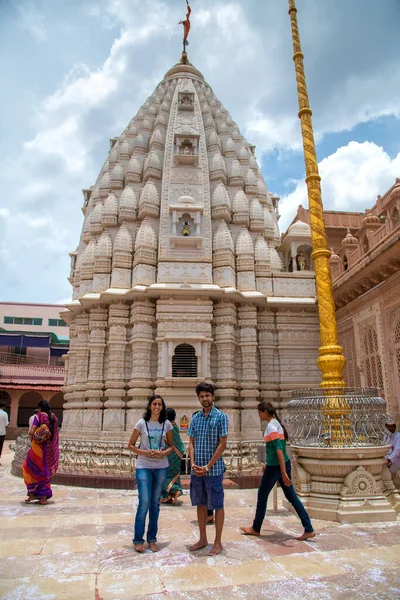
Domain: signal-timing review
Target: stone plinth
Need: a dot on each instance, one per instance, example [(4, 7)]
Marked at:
[(349, 485)]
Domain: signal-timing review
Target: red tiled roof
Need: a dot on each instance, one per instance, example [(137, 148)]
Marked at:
[(18, 386)]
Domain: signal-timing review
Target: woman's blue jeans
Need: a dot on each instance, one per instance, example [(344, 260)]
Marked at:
[(271, 475), (150, 483)]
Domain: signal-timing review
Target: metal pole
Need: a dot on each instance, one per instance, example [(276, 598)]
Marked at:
[(331, 361)]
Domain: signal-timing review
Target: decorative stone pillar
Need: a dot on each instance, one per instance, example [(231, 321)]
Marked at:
[(269, 356), (250, 382), (78, 387), (114, 413), (142, 319), (69, 378), (225, 319), (92, 418)]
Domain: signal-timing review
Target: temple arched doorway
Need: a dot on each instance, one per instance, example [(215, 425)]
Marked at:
[(26, 407)]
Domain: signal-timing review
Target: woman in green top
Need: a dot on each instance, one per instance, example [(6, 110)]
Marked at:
[(172, 487), (278, 468)]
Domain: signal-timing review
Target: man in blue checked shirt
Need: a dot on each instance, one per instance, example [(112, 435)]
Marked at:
[(208, 433)]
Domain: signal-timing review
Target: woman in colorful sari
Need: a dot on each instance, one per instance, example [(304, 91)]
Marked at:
[(172, 487), (41, 462)]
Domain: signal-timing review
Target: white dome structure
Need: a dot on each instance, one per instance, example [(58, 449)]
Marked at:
[(178, 246)]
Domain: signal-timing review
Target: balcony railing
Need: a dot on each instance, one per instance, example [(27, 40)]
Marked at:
[(7, 358)]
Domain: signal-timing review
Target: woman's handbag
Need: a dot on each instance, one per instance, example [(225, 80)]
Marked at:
[(42, 434)]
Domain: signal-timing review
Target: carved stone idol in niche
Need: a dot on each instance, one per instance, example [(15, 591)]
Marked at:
[(184, 423), (186, 148), (301, 261), (186, 101), (186, 230)]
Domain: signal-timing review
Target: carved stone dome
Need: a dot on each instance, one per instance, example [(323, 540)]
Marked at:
[(104, 246), (240, 202), (262, 188), (146, 236), (149, 201), (183, 70), (334, 258), (349, 240), (250, 178), (123, 241), (300, 229), (180, 165), (256, 212), (276, 263), (125, 150), (223, 238), (261, 250), (110, 211), (117, 176), (220, 196), (127, 204), (133, 170), (95, 219), (244, 243)]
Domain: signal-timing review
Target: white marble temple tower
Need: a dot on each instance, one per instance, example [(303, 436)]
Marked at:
[(177, 277)]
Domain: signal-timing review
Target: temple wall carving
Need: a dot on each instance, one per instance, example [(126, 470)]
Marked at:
[(369, 329)]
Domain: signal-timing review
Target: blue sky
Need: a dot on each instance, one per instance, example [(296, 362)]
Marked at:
[(74, 72)]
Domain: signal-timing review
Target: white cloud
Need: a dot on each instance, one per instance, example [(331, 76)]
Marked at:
[(32, 21), (351, 179), (243, 47)]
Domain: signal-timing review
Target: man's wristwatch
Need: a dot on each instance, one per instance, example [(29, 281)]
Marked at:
[(207, 468)]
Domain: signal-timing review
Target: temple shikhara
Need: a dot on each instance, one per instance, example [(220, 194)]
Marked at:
[(177, 277)]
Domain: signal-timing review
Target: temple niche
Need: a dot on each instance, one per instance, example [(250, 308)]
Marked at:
[(181, 276)]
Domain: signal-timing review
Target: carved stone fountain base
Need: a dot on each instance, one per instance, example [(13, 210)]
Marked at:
[(349, 485)]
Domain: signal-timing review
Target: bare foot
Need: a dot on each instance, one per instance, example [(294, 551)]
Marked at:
[(165, 500), (153, 547), (198, 545), (30, 498), (139, 548), (43, 500), (249, 531), (306, 536), (175, 497), (216, 549), (210, 520)]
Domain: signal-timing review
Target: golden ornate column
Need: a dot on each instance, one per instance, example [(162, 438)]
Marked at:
[(331, 360)]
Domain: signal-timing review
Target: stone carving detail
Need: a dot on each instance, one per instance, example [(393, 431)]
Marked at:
[(359, 482), (184, 271)]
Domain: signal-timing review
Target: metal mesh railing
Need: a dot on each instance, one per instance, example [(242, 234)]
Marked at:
[(112, 458), (8, 358), (337, 418)]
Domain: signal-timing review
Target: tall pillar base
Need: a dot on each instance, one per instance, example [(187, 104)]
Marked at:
[(347, 485)]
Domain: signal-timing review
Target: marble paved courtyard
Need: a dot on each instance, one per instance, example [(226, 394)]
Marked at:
[(79, 547)]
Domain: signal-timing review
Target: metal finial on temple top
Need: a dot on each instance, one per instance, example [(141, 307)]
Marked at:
[(186, 29)]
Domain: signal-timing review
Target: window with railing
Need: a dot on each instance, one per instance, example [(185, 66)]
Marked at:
[(184, 361), (372, 363), (22, 321), (57, 323)]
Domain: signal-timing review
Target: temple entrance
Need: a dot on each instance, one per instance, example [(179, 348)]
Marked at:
[(26, 407)]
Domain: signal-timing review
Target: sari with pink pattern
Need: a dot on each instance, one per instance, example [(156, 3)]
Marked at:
[(41, 462)]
